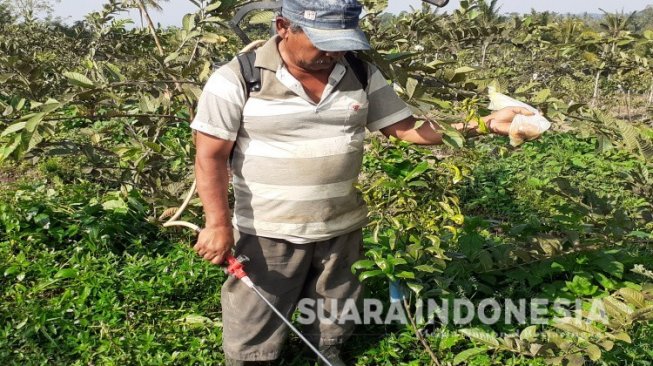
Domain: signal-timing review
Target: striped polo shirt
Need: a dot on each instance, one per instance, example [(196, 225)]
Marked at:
[(296, 162)]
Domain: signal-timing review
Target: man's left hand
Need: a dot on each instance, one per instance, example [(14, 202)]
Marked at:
[(498, 122)]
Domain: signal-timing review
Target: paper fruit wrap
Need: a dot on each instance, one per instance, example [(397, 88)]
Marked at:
[(523, 128)]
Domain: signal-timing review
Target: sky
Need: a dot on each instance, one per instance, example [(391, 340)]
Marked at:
[(173, 10)]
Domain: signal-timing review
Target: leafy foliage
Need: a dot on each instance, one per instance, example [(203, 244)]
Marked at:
[(87, 278), (103, 121)]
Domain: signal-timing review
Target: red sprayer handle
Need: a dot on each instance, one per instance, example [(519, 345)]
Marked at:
[(235, 266)]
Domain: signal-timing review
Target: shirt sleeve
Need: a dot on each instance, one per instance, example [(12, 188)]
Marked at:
[(385, 106), (220, 107)]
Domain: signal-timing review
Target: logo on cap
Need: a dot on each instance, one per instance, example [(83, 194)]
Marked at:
[(310, 14)]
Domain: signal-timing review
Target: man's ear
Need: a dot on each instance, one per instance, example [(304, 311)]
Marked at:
[(282, 26)]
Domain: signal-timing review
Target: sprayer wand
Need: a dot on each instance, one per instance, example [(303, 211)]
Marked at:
[(235, 267)]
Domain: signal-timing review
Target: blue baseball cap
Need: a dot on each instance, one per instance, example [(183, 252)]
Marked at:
[(331, 25)]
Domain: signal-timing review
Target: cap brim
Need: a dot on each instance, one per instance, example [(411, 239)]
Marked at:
[(337, 40)]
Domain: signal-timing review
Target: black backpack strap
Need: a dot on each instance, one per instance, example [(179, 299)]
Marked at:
[(251, 73), (358, 67)]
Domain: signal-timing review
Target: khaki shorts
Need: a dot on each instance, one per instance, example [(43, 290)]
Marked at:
[(285, 273)]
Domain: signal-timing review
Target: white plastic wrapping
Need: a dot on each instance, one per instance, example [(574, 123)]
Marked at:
[(523, 128)]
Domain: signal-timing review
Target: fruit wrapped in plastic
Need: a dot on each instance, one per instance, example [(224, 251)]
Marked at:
[(523, 128)]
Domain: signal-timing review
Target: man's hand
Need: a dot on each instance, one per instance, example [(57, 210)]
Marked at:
[(214, 243), (499, 121)]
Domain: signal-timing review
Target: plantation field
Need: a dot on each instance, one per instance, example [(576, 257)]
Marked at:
[(96, 153)]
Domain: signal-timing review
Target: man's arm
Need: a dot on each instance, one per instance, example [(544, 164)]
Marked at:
[(211, 173), (430, 134)]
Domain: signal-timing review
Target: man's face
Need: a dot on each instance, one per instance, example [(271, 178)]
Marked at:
[(304, 54)]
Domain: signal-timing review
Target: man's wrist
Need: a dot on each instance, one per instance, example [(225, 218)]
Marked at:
[(489, 126)]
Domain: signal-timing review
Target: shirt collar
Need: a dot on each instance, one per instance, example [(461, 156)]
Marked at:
[(267, 56)]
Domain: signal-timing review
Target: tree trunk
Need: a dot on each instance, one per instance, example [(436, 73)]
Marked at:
[(596, 88), (628, 105), (150, 25), (484, 52)]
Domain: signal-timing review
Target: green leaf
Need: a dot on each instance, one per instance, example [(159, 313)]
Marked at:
[(575, 360), (418, 170), (192, 91), (415, 287), (263, 17), (460, 74), (604, 281), (114, 71), (214, 6), (581, 286), (616, 308), (453, 139), (362, 264), (12, 270), (66, 273), (406, 274), (633, 297), (481, 336), (198, 320), (411, 86), (213, 38), (576, 326), (118, 206), (645, 313), (171, 57), (648, 34), (365, 275), (50, 106), (214, 20), (427, 268), (394, 57), (33, 122), (593, 351), (442, 104), (623, 336), (5, 77), (146, 105), (607, 345), (8, 149), (13, 128), (20, 104), (8, 110), (529, 333), (535, 349), (188, 22), (542, 96), (465, 70), (22, 323), (468, 353), (485, 260), (471, 244), (79, 80), (374, 6)]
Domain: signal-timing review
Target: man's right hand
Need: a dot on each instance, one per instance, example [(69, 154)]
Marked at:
[(214, 243)]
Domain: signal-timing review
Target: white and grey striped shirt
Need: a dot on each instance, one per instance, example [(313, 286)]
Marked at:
[(296, 162)]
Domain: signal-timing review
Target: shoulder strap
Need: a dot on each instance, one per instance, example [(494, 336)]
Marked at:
[(251, 73), (358, 67)]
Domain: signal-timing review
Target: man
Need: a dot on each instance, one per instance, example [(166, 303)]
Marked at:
[(297, 151)]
